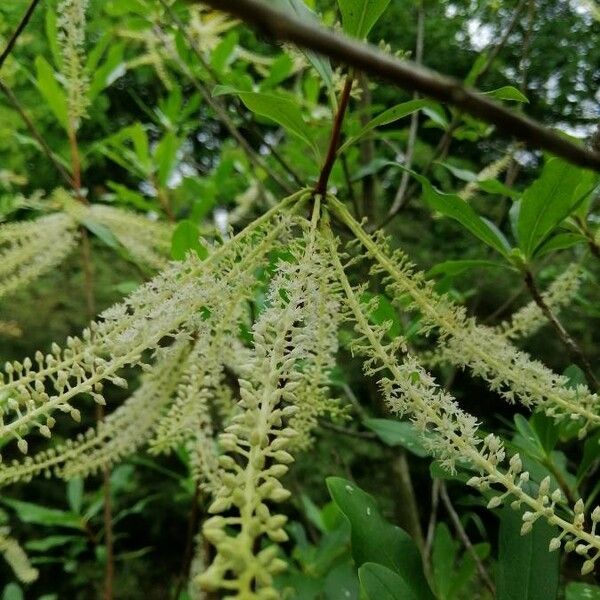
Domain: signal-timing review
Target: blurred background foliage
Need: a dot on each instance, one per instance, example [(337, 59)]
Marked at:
[(154, 144)]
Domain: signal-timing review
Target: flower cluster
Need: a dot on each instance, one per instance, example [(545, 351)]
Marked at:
[(15, 556)]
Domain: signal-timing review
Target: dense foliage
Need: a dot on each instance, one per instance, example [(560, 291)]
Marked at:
[(232, 373)]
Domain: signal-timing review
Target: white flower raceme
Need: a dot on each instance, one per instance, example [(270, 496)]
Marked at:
[(508, 370), (258, 441), (71, 23), (15, 556), (148, 242), (451, 434), (528, 319), (33, 389), (492, 171), (30, 249)]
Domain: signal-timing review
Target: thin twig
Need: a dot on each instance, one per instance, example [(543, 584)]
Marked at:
[(414, 121), (18, 31), (435, 499), (35, 134), (221, 112), (462, 534), (570, 344), (407, 75)]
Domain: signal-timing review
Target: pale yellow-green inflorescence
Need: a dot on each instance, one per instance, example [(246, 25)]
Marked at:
[(452, 435), (15, 556)]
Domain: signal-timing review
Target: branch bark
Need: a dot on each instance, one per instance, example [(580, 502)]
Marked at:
[(405, 74), (18, 31)]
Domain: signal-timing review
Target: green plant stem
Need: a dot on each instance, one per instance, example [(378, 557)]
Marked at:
[(570, 344)]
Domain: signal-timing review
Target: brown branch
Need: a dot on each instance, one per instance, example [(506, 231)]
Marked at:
[(35, 134), (334, 142), (407, 75), (571, 345), (462, 534), (18, 31)]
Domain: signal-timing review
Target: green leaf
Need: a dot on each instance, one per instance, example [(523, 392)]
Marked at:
[(101, 231), (379, 583), (383, 313), (75, 494), (456, 267), (166, 157), (376, 540), (52, 541), (12, 592), (42, 515), (359, 16), (398, 433), (456, 208), (51, 91), (508, 92), (559, 241), (186, 238), (282, 111), (443, 558), (385, 118), (582, 591), (549, 200), (526, 570)]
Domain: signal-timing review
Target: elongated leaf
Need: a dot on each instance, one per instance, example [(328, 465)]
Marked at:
[(276, 108), (42, 515), (398, 433), (379, 583), (526, 570), (359, 16), (455, 267), (51, 90), (376, 540), (456, 208), (385, 118), (507, 92), (549, 200)]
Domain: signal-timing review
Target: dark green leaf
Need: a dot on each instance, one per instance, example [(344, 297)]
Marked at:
[(398, 433), (376, 540), (549, 200), (582, 591), (526, 570), (379, 583), (51, 90), (455, 267), (42, 515)]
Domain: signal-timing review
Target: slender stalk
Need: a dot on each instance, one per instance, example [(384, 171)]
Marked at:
[(334, 142), (405, 74), (35, 134), (435, 502), (570, 344), (18, 31), (462, 534), (414, 120)]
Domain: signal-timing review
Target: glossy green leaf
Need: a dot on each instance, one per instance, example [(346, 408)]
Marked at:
[(380, 583), (101, 231), (507, 92), (12, 592), (186, 238), (453, 206), (52, 92), (398, 433), (385, 118), (75, 494), (549, 200), (359, 16), (277, 108), (560, 241), (376, 540), (526, 570)]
